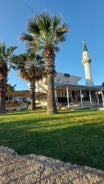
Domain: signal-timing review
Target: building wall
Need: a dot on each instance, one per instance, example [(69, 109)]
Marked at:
[(60, 78), (65, 78)]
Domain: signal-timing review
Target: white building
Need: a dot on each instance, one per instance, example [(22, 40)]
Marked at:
[(67, 90)]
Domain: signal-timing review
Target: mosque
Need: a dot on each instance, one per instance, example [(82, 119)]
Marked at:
[(68, 93)]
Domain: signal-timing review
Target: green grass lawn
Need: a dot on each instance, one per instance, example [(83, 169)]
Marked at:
[(71, 136)]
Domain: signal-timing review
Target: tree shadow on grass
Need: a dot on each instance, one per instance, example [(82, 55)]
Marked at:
[(81, 144), (18, 112), (23, 112)]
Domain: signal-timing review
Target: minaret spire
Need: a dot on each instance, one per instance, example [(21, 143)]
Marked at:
[(84, 46), (86, 62)]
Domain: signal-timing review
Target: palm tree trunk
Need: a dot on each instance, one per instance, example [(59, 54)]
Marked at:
[(51, 104), (2, 95), (2, 103), (3, 85), (32, 86), (50, 72)]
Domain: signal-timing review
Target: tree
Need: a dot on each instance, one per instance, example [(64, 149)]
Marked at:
[(102, 87), (10, 87), (46, 32), (30, 68), (102, 84), (5, 66)]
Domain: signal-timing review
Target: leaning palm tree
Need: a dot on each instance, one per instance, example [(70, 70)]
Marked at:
[(5, 66), (46, 32), (30, 68)]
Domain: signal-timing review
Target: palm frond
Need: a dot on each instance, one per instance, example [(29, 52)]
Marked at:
[(2, 48), (44, 29), (6, 54), (10, 50), (44, 22), (55, 22), (33, 28), (62, 28), (26, 37)]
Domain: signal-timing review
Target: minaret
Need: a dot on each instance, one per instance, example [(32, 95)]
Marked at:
[(86, 60)]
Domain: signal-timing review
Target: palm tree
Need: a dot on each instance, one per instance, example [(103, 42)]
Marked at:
[(5, 65), (46, 32), (102, 84), (102, 87), (30, 68), (10, 87)]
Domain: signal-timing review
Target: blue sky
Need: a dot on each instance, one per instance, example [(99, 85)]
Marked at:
[(85, 20)]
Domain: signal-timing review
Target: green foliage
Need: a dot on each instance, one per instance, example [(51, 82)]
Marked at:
[(45, 32), (30, 65), (71, 136), (5, 66), (5, 58), (44, 29), (6, 52), (10, 87), (102, 84)]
